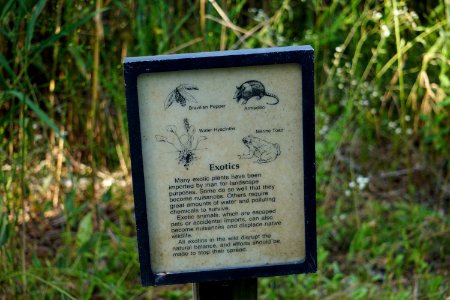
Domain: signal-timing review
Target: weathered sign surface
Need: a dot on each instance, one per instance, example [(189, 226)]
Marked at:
[(222, 148)]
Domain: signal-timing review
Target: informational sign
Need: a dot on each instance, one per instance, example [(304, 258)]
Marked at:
[(222, 150)]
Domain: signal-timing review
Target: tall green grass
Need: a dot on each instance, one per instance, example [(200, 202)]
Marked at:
[(383, 134)]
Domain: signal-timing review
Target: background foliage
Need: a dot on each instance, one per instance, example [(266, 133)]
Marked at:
[(382, 140)]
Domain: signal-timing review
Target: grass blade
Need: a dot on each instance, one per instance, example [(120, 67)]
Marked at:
[(51, 284), (6, 8), (32, 23), (65, 31), (34, 107)]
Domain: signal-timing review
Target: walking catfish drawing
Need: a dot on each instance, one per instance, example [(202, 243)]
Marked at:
[(253, 88)]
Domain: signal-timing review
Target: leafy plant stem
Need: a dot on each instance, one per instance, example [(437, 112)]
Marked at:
[(345, 44), (52, 84), (94, 99), (23, 195), (408, 46), (398, 43), (58, 288)]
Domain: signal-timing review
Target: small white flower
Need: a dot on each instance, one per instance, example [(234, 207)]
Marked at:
[(398, 130), (107, 182), (407, 118), (362, 181), (340, 86), (323, 130), (352, 184), (347, 193), (280, 39), (409, 131), (83, 183), (339, 49), (377, 15), (392, 124), (67, 183), (6, 168), (37, 137), (373, 111), (385, 32)]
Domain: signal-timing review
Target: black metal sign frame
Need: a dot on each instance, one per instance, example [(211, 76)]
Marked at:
[(133, 67)]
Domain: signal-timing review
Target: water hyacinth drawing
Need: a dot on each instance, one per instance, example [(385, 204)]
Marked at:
[(180, 95), (186, 143)]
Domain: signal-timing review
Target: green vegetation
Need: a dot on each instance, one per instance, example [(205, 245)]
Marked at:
[(383, 140)]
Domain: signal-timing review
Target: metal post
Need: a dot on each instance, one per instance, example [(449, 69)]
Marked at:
[(244, 289)]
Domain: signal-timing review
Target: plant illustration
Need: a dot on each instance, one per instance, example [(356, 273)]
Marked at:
[(181, 95), (186, 143)]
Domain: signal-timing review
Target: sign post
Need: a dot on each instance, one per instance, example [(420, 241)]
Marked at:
[(244, 289), (223, 165)]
